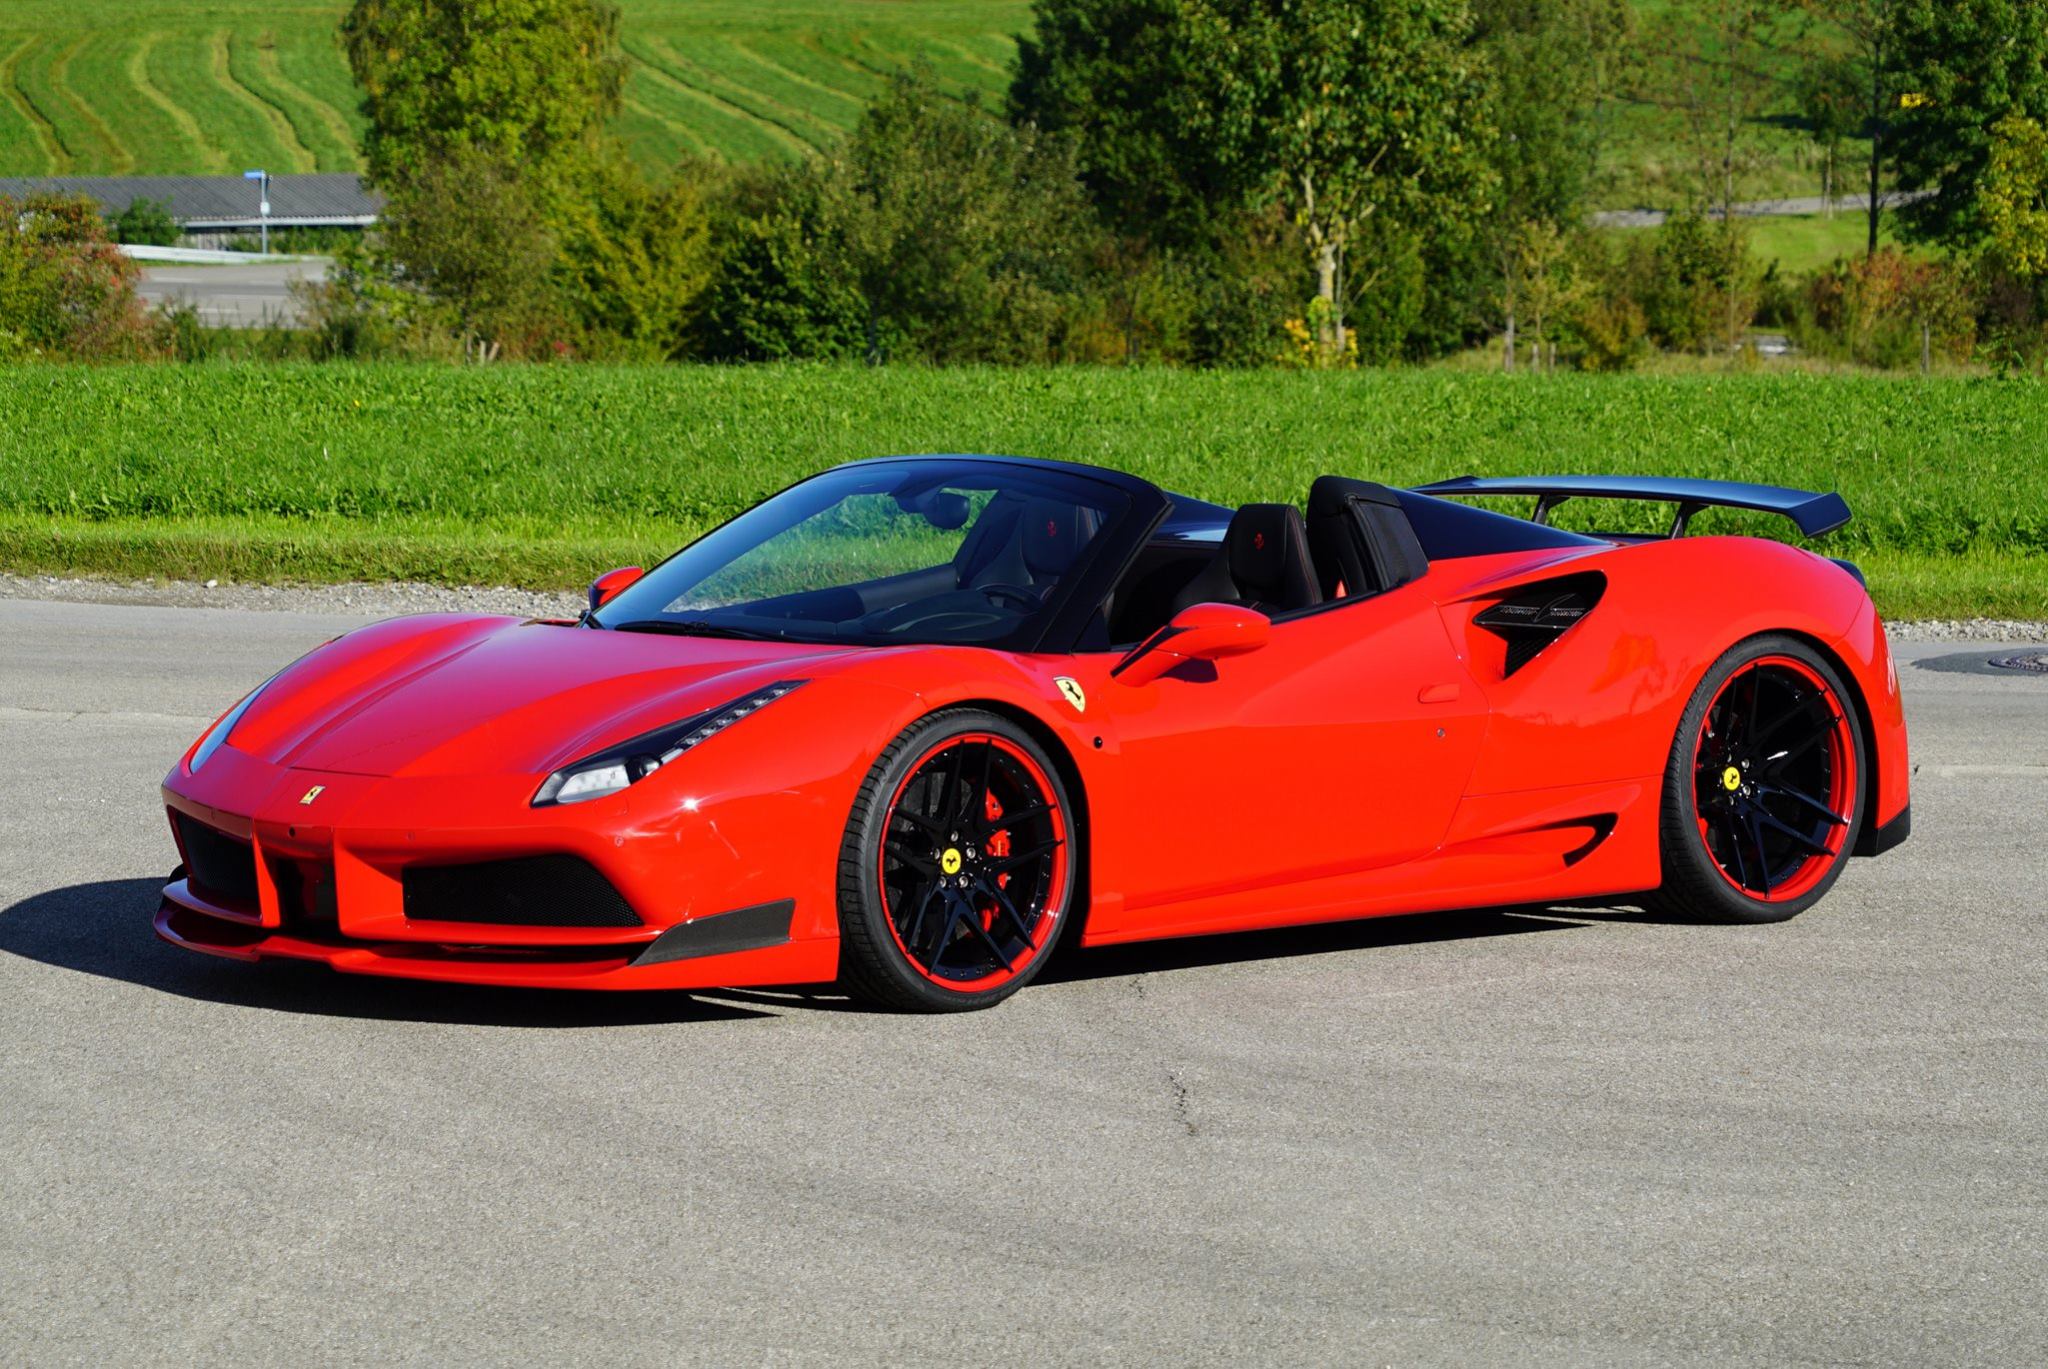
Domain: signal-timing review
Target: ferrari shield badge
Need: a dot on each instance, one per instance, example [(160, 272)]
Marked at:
[(313, 793), (1070, 690)]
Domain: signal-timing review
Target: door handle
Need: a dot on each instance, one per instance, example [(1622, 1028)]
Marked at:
[(1438, 694)]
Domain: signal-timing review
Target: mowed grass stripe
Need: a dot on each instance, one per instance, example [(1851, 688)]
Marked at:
[(310, 59), (230, 59), (747, 82), (846, 102), (185, 70), (106, 149), (318, 127), (743, 135), (659, 141), (196, 154), (807, 133), (27, 76), (34, 146)]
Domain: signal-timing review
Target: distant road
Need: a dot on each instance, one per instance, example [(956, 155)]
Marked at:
[(1798, 205), (249, 296)]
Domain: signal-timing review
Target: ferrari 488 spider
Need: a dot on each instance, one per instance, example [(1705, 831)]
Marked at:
[(909, 722)]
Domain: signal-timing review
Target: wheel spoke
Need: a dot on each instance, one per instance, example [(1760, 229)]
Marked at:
[(1801, 796), (1731, 834), (1012, 819), (1772, 821), (1774, 764), (1011, 862), (917, 923), (1756, 840), (1009, 909), (980, 933), (920, 821)]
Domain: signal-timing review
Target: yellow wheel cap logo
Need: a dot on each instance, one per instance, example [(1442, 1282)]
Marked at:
[(950, 862), (313, 793), (1731, 779), (1070, 690)]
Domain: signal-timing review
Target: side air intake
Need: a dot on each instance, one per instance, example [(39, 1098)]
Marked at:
[(1532, 617)]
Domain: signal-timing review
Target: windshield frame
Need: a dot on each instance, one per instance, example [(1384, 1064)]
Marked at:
[(1058, 628)]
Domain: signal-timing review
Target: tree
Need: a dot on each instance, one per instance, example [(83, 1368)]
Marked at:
[(1115, 76), (1549, 64), (147, 223), (1963, 67), (2013, 198), (1831, 91), (1707, 63), (1867, 29), (465, 232), (1339, 110), (521, 81)]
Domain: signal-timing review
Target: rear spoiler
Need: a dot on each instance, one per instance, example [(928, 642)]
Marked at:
[(1813, 513)]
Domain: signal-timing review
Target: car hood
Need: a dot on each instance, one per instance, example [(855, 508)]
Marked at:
[(446, 695)]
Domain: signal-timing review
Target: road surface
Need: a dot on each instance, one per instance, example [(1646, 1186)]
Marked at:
[(1562, 1137), (252, 296)]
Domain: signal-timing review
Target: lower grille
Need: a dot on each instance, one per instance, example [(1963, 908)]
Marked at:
[(219, 866), (531, 891)]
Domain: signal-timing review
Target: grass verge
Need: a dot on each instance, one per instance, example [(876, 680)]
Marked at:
[(543, 476)]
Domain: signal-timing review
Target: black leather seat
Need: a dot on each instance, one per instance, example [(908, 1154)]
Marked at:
[(1263, 563), (1042, 538)]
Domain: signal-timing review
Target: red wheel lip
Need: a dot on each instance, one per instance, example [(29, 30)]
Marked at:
[(1841, 785), (1056, 888)]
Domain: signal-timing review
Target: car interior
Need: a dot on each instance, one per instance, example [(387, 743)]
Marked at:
[(1354, 541)]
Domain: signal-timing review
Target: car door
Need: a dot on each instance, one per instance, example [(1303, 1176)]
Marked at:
[(1341, 745)]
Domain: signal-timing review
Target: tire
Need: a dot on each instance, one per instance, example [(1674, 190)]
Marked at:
[(957, 871), (1763, 795)]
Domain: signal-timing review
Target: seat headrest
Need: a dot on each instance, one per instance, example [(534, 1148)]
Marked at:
[(1268, 549), (1053, 534)]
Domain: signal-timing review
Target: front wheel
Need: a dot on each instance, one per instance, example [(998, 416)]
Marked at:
[(1763, 796), (956, 872)]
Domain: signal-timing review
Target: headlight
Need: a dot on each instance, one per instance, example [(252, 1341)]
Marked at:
[(614, 768), (218, 733)]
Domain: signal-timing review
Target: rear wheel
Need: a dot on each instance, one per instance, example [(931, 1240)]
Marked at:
[(955, 875), (1763, 796)]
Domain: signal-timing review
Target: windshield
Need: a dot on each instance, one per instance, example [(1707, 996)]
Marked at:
[(883, 553)]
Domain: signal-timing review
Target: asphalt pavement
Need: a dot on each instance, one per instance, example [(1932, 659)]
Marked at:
[(252, 296), (1562, 1136)]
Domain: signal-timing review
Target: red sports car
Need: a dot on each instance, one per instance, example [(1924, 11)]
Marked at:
[(903, 723)]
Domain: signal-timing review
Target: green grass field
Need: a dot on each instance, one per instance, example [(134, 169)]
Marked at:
[(545, 476), (153, 87)]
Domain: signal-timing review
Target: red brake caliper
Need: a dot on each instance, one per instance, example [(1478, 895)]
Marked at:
[(998, 847)]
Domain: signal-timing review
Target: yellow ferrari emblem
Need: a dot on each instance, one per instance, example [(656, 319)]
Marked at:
[(313, 793), (1070, 690), (1731, 779), (950, 862)]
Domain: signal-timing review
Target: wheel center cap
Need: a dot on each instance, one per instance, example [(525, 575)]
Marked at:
[(1731, 779), (949, 862)]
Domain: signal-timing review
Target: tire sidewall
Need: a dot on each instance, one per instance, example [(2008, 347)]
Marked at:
[(1689, 871), (863, 922)]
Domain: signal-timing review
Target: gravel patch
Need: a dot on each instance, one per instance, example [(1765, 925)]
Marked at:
[(369, 600), (389, 600)]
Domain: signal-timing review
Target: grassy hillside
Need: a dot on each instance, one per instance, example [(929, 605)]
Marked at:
[(547, 475), (147, 87)]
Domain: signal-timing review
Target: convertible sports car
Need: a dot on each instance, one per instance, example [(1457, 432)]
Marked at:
[(908, 723)]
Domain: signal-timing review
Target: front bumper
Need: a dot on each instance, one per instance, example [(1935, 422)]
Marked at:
[(329, 852)]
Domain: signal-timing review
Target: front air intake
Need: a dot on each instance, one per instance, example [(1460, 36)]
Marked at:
[(529, 891), (1532, 617), (219, 867)]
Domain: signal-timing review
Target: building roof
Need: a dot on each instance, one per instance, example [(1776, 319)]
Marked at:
[(211, 202)]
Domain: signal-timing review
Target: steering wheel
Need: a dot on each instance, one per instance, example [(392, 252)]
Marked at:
[(1024, 598)]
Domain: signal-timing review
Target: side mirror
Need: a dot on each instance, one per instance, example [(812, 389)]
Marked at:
[(606, 587), (1200, 632)]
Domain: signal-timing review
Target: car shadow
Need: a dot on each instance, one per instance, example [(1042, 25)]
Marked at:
[(104, 929), (1322, 938)]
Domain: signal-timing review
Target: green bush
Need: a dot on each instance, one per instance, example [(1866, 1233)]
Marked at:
[(146, 223), (65, 290)]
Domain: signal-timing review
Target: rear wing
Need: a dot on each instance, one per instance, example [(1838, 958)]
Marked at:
[(1813, 513)]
